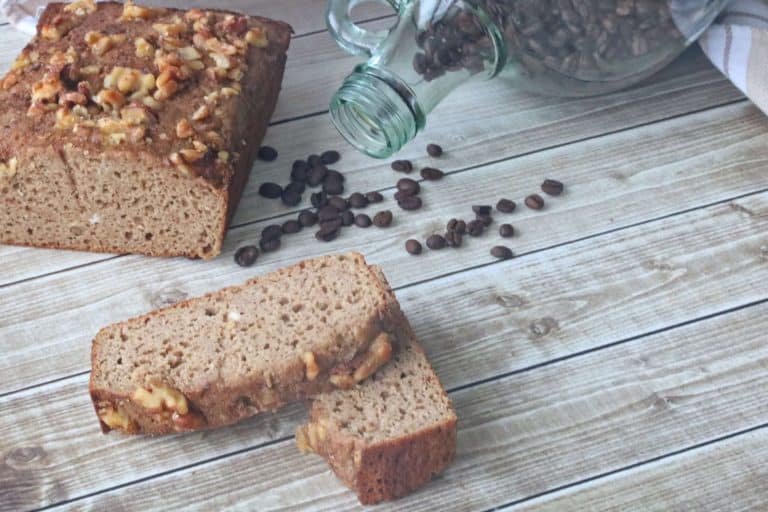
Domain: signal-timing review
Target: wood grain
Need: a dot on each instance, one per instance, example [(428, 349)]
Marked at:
[(482, 323), (528, 433), (728, 475), (473, 129), (615, 181)]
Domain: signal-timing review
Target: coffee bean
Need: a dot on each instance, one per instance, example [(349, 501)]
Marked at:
[(338, 202), (374, 197), (402, 166), (432, 174), (267, 153), (451, 224), (334, 175), (402, 194), (506, 206), (247, 255), (410, 203), (435, 242), (296, 186), (270, 190), (333, 187), (413, 247), (316, 175), (409, 186), (453, 239), (271, 232), (552, 187), (434, 150), (506, 230), (362, 220), (486, 219), (307, 218), (299, 170), (328, 233), (357, 200), (330, 157), (290, 197), (331, 223), (269, 245), (327, 212), (291, 226), (314, 161), (318, 199), (347, 218), (482, 209), (475, 228), (501, 252), (383, 219), (461, 227), (534, 202)]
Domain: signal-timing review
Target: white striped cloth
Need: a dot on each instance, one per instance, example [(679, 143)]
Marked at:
[(738, 46)]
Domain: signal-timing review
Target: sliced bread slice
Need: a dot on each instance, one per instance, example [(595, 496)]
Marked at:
[(320, 325), (389, 435)]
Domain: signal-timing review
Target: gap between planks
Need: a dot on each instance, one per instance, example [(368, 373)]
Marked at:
[(686, 281)]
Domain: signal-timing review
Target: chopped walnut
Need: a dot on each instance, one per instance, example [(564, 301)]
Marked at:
[(184, 129), (379, 353), (228, 92), (58, 27), (181, 165), (47, 89), (202, 113), (101, 43), (166, 85), (73, 98), (8, 169), (135, 114), (257, 37), (214, 139), (116, 418), (59, 58), (170, 29), (223, 156), (144, 48), (90, 70), (221, 61), (24, 59), (312, 370), (234, 24), (67, 117), (189, 53), (109, 99), (217, 46), (133, 12), (37, 108), (10, 80), (159, 397), (130, 80), (81, 7), (194, 14)]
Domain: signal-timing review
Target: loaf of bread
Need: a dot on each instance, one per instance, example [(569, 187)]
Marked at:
[(390, 434), (323, 324), (129, 129)]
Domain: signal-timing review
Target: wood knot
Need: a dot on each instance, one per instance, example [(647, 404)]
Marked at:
[(23, 456), (510, 301), (543, 326), (167, 297)]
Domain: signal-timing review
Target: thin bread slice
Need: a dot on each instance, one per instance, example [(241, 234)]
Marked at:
[(389, 435), (316, 326)]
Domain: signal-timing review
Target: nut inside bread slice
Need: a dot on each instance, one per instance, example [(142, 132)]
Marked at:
[(389, 435), (322, 324)]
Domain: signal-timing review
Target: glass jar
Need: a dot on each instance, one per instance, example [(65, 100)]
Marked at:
[(555, 47)]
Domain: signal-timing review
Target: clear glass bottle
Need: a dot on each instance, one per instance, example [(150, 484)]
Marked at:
[(555, 47)]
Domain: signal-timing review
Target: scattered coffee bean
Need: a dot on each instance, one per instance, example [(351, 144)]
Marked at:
[(316, 175), (383, 219), (410, 203), (291, 226), (314, 161), (402, 194), (334, 175), (482, 209), (307, 218), (299, 171), (331, 223), (461, 227), (357, 200), (328, 233), (434, 150), (290, 197), (453, 239), (267, 153), (409, 186), (270, 190), (271, 232), (485, 218), (506, 206), (333, 187), (534, 202), (296, 186), (338, 202), (413, 247), (552, 187), (247, 255), (318, 199), (269, 245), (435, 242), (327, 212), (501, 252), (475, 228), (347, 218), (330, 157), (432, 174), (451, 224), (374, 197), (506, 230), (362, 220), (402, 166)]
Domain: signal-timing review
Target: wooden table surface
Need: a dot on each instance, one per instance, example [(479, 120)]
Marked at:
[(618, 362)]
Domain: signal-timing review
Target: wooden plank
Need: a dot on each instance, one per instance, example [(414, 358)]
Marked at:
[(46, 325), (473, 129), (482, 323), (525, 434), (728, 475)]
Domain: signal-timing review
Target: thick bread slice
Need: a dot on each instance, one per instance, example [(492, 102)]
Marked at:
[(390, 434), (320, 325)]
